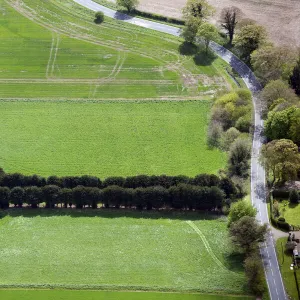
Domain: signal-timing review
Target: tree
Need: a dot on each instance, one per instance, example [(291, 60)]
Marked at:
[(207, 32), (240, 209), (276, 89), (229, 20), (33, 196), (51, 193), (99, 17), (194, 13), (16, 196), (294, 196), (281, 160), (198, 9), (214, 134), (130, 5), (295, 77), (255, 274), (250, 38), (271, 63), (229, 137), (239, 156), (4, 197), (246, 233), (278, 124)]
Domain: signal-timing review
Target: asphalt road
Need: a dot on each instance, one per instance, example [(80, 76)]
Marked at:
[(258, 192)]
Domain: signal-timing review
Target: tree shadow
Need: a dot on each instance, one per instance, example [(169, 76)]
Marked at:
[(111, 213), (188, 49), (203, 58), (234, 261)]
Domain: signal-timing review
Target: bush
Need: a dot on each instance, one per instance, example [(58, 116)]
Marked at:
[(294, 196), (99, 17), (281, 219)]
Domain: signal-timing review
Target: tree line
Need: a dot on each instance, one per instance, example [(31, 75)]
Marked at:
[(181, 196), (133, 182)]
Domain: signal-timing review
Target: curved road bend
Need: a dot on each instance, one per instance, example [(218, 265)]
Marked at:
[(258, 192)]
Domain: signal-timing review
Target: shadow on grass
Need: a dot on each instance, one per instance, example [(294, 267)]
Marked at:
[(111, 213), (234, 261), (200, 57), (204, 59)]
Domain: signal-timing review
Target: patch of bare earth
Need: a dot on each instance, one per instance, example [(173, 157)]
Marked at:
[(280, 17)]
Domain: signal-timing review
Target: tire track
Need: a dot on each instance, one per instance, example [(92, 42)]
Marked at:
[(50, 56), (208, 248)]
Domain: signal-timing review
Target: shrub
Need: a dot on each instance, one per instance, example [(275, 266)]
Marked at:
[(290, 245), (99, 17), (281, 219)]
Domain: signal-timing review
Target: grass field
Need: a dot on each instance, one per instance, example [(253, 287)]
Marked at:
[(288, 276), (107, 138), (53, 49), (102, 295), (110, 250)]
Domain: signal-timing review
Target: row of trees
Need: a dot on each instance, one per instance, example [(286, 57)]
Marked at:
[(182, 196), (203, 180), (230, 123), (246, 234)]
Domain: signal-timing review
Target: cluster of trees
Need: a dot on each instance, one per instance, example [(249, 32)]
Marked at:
[(182, 196), (246, 233), (230, 124)]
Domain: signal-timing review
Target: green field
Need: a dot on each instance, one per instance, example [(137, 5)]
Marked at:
[(107, 138), (53, 49), (125, 251), (103, 295)]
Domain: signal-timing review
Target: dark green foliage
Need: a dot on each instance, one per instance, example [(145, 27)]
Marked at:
[(4, 197), (16, 196), (295, 78), (294, 196), (50, 195), (33, 196), (99, 17)]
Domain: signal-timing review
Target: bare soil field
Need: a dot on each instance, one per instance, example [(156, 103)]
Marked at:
[(280, 17)]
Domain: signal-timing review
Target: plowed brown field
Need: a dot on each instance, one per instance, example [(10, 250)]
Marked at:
[(280, 17)]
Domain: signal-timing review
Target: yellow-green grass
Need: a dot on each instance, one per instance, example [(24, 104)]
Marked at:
[(53, 49), (118, 251), (285, 260), (107, 295), (107, 138), (290, 211)]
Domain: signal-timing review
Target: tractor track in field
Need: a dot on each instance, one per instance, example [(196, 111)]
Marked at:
[(57, 29)]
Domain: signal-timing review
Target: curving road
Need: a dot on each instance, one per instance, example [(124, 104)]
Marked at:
[(258, 192)]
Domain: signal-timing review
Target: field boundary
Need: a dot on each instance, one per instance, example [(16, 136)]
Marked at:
[(111, 288)]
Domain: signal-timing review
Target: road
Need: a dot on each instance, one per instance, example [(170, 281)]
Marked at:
[(258, 192)]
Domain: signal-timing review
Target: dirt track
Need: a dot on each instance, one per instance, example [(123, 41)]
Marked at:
[(280, 17)]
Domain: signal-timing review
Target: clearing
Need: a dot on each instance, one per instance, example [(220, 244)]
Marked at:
[(118, 250)]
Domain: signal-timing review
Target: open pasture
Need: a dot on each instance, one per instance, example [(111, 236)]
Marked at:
[(53, 49), (107, 138), (118, 251)]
